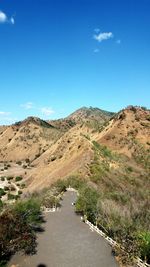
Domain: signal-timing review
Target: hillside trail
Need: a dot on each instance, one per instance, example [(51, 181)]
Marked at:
[(67, 242)]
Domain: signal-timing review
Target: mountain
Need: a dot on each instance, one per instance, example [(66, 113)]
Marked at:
[(92, 117), (111, 151), (84, 113), (30, 138), (128, 130), (26, 139), (60, 148)]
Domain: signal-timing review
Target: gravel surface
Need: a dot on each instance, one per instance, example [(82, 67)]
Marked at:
[(67, 242)]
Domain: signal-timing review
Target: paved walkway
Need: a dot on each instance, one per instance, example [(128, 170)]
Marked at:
[(67, 242)]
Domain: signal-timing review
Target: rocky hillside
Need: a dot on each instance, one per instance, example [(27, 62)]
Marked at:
[(92, 117), (85, 114), (128, 131), (60, 148), (26, 139), (111, 154)]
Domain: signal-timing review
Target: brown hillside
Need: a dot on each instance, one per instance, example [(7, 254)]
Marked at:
[(26, 139), (70, 155), (128, 129), (57, 150)]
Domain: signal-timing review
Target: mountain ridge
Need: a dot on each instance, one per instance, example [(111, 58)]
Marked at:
[(59, 148)]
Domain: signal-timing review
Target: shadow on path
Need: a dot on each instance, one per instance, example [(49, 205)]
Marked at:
[(67, 242)]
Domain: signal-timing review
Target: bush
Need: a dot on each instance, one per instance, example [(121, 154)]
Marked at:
[(6, 188), (9, 178), (87, 203), (23, 185), (10, 196), (29, 210), (17, 226), (1, 204), (2, 192), (16, 233), (24, 166), (18, 162), (60, 186), (27, 160), (18, 178), (144, 245), (5, 168), (75, 182)]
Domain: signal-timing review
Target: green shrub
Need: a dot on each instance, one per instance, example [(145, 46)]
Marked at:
[(6, 188), (5, 168), (18, 178), (60, 186), (10, 196), (29, 210), (129, 169), (2, 192), (9, 178), (75, 182), (17, 228), (87, 203), (144, 245), (23, 185), (18, 162), (1, 204)]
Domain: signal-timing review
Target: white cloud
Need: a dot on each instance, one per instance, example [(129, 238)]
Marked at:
[(96, 50), (28, 105), (5, 118), (5, 19), (4, 113), (103, 36), (12, 20), (118, 41), (97, 30), (47, 111)]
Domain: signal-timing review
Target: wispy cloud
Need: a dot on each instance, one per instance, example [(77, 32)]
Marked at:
[(27, 105), (4, 18), (118, 41), (96, 30), (12, 20), (8, 119), (5, 118), (96, 50), (47, 111), (103, 36), (4, 113)]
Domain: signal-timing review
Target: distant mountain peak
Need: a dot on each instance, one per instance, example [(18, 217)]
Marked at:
[(33, 120), (93, 113)]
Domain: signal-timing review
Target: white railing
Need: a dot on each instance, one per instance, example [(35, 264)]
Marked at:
[(44, 209), (139, 262), (71, 189)]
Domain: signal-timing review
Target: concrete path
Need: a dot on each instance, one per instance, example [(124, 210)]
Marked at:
[(67, 242)]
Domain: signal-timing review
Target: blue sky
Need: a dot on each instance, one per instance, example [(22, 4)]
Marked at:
[(59, 55)]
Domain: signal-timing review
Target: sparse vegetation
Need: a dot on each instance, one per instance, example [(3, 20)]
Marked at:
[(115, 193), (18, 224), (2, 192), (18, 178)]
